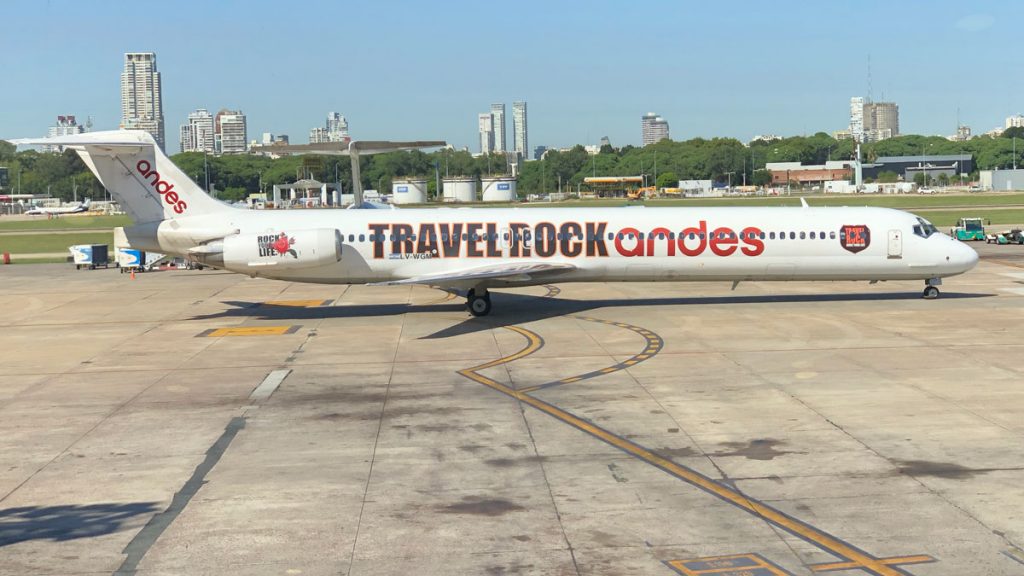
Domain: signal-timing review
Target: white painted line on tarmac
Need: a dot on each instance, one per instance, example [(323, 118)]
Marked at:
[(1017, 291), (1014, 275), (269, 385)]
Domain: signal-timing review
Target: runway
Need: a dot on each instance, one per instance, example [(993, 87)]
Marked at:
[(206, 423)]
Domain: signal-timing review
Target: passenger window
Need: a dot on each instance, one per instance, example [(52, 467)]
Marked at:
[(812, 236), (762, 235), (771, 236), (803, 235), (821, 235), (362, 238), (792, 235), (611, 235), (832, 235), (351, 237)]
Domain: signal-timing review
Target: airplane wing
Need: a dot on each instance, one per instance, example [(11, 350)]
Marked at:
[(467, 277)]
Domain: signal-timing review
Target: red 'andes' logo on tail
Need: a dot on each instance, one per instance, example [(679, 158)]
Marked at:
[(163, 187)]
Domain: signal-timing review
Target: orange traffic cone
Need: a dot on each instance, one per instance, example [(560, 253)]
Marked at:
[(133, 273)]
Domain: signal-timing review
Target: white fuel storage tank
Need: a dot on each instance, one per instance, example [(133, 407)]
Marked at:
[(409, 191), (460, 189), (499, 189)]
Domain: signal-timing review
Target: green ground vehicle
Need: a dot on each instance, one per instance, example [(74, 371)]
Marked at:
[(969, 229), (1006, 237)]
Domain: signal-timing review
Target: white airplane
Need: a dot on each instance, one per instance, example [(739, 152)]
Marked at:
[(81, 207), (475, 249)]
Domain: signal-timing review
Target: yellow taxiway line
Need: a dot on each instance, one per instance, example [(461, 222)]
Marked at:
[(852, 556)]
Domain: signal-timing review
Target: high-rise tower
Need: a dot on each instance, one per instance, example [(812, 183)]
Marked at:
[(141, 98), (653, 128), (498, 125), (519, 129), (485, 122), (198, 134)]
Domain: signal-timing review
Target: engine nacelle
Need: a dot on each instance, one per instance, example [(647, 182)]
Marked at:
[(279, 250)]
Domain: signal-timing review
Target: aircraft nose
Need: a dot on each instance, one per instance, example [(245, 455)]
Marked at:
[(963, 257)]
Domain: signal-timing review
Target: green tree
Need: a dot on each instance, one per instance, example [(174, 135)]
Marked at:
[(888, 177), (1013, 132), (7, 151), (762, 177), (667, 180)]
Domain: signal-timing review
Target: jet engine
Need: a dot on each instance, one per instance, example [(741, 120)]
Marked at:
[(273, 250)]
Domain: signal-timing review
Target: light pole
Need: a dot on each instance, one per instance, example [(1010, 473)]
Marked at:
[(655, 168)]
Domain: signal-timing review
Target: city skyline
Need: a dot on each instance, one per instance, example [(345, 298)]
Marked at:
[(732, 91)]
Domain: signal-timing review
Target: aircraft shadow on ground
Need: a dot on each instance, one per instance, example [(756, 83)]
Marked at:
[(511, 308), (70, 522)]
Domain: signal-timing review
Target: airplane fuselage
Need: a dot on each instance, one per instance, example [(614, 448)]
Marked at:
[(609, 244)]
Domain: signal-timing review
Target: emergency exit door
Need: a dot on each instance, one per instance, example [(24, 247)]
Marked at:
[(895, 244)]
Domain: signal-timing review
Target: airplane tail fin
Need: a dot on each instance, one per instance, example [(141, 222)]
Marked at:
[(133, 168)]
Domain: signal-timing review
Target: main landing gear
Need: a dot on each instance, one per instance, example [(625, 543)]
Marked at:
[(931, 288), (478, 304)]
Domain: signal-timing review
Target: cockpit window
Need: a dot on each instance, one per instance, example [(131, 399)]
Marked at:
[(924, 228)]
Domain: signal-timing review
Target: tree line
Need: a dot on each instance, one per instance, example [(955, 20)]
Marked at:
[(663, 164)]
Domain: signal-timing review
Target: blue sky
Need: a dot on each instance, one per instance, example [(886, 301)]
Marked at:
[(587, 69)]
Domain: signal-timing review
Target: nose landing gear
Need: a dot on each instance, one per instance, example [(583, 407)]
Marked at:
[(478, 304), (931, 288)]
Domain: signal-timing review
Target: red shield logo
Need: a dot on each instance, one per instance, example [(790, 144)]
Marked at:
[(855, 237)]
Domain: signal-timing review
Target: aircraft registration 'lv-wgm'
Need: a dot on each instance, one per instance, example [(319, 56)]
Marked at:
[(472, 250)]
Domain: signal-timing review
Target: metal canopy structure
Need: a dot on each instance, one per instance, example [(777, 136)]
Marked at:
[(353, 150)]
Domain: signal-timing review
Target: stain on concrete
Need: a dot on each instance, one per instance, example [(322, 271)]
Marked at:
[(483, 506), (759, 449), (509, 462), (677, 452), (947, 470), (512, 569), (617, 473)]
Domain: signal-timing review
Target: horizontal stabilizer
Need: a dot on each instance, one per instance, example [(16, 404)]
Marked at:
[(344, 149)]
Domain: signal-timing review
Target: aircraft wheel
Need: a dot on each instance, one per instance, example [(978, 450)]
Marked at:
[(478, 305), (930, 293)]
